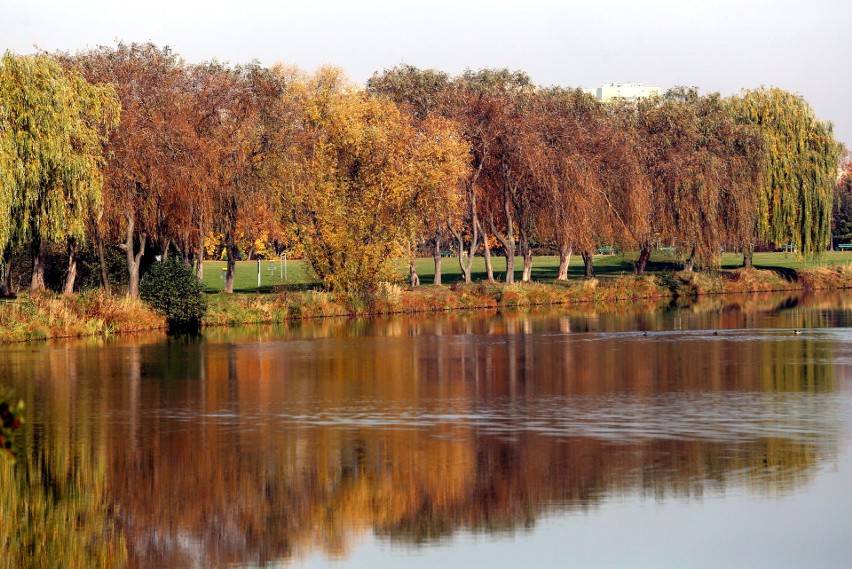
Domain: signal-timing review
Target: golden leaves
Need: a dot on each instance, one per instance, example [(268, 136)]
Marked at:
[(362, 174)]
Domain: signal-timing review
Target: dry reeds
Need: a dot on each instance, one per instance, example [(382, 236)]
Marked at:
[(47, 315)]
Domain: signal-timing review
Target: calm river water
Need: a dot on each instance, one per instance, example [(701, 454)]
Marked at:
[(705, 436)]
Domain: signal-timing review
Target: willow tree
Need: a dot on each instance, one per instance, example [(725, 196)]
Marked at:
[(55, 124), (423, 94), (8, 177), (488, 105), (354, 179), (626, 189), (587, 173), (474, 100), (697, 169), (799, 172), (439, 158), (743, 152)]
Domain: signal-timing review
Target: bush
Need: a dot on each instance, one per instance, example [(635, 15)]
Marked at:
[(172, 289), (669, 280)]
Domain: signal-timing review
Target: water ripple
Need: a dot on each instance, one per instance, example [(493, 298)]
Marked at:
[(723, 416)]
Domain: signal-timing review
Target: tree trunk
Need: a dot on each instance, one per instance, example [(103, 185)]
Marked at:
[(510, 264), (167, 244), (186, 250), (509, 253), (231, 248), (467, 266), (589, 264), (564, 260), (470, 189), (748, 258), (526, 254), (642, 261), (199, 270), (471, 253), (134, 256), (231, 244), (6, 282), (526, 276), (465, 269), (37, 250), (436, 255), (508, 243), (71, 275), (489, 265), (105, 284), (134, 262), (413, 279), (689, 265)]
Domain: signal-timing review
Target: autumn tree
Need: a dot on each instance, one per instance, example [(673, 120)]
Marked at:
[(702, 168), (514, 195), (238, 112), (54, 124), (583, 172), (668, 129), (354, 181), (483, 102), (443, 158), (439, 160), (799, 169), (148, 186)]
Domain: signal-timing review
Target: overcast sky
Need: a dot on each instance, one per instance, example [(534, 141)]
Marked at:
[(715, 45)]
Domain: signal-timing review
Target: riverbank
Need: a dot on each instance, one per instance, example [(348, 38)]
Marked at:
[(232, 310), (45, 316)]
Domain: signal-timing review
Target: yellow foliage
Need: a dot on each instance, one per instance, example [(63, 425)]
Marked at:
[(363, 179)]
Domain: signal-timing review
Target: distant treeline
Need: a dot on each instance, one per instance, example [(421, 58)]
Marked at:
[(114, 156)]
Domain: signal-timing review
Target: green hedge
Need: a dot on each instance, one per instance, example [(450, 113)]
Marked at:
[(172, 289)]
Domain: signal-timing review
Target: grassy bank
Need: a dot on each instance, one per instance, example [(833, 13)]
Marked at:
[(43, 316), (228, 310)]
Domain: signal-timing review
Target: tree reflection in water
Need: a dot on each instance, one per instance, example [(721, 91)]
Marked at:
[(255, 445)]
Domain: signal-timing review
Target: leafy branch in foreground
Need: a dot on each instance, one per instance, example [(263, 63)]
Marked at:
[(10, 421)]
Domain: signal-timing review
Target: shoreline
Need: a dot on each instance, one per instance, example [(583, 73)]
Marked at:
[(397, 300), (93, 314)]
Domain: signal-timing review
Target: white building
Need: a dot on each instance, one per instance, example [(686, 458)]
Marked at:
[(629, 91)]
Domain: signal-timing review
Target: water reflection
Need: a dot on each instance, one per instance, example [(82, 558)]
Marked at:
[(248, 446)]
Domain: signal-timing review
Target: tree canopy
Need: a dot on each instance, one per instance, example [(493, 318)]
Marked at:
[(799, 169), (54, 124), (360, 171), (234, 160)]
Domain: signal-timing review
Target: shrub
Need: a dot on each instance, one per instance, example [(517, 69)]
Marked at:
[(669, 280), (172, 289)]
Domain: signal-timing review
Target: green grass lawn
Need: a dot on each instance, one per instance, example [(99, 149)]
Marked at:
[(293, 274), (296, 275)]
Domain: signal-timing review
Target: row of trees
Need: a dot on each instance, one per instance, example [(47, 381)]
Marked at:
[(357, 177), (693, 172)]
